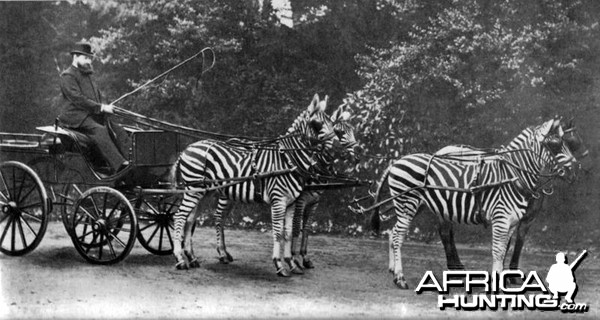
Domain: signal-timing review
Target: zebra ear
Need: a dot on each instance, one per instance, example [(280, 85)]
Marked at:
[(323, 104), (314, 104), (336, 114), (543, 130)]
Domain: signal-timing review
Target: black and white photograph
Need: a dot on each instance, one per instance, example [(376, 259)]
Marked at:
[(300, 159)]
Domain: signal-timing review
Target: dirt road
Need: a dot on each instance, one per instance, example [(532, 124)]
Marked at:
[(350, 281)]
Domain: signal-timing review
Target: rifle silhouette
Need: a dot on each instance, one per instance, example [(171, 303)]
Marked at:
[(575, 263)]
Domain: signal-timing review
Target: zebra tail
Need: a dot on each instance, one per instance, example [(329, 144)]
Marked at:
[(174, 175), (375, 217)]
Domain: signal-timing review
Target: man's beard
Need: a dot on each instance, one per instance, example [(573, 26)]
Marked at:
[(85, 68)]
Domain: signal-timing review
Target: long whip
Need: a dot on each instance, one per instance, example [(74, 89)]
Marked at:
[(201, 52)]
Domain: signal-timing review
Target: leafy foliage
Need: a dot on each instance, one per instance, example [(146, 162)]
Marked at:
[(461, 73)]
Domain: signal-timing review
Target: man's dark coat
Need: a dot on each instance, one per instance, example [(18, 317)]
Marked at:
[(80, 98)]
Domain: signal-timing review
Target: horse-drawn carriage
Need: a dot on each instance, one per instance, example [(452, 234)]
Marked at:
[(58, 171)]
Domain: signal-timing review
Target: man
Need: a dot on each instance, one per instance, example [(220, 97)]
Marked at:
[(560, 278), (84, 111)]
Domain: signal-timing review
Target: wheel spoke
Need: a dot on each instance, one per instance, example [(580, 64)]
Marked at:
[(21, 199), (88, 214), (104, 202), (8, 225), (29, 226), (21, 184), (85, 234), (172, 205), (119, 241), (7, 196), (21, 232), (30, 216), (13, 235), (160, 237), (149, 225), (100, 247), (4, 218), (95, 206), (153, 234), (110, 215), (110, 246), (169, 236), (33, 205), (91, 243)]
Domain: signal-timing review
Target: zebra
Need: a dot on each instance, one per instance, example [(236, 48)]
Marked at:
[(465, 153), (293, 156), (306, 205), (494, 190), (347, 146)]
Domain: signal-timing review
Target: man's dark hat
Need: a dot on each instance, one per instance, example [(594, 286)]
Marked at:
[(82, 48)]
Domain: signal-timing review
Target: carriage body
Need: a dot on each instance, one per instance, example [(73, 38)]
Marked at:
[(103, 214)]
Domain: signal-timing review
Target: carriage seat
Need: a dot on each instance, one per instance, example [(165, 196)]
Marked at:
[(68, 139)]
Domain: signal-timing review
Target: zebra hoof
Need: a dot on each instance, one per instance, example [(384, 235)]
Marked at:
[(401, 283), (294, 266), (223, 260), (182, 265), (283, 272), (195, 263), (307, 264), (296, 269)]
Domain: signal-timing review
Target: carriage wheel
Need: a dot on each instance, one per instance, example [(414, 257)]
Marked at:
[(24, 209), (155, 222), (72, 190), (103, 225)]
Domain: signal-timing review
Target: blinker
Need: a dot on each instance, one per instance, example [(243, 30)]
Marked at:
[(554, 144)]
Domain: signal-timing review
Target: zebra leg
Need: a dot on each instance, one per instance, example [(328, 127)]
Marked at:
[(287, 243), (224, 207), (187, 240), (532, 211), (446, 231), (189, 202), (405, 212), (278, 210), (312, 208), (502, 230), (300, 206)]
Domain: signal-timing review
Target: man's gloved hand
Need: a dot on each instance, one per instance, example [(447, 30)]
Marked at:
[(107, 108)]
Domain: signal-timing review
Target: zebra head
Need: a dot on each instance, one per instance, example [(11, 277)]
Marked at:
[(345, 133), (567, 146), (316, 126), (557, 146)]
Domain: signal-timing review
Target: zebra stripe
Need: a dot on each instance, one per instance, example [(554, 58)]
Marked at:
[(446, 187), (306, 204), (468, 153), (210, 160)]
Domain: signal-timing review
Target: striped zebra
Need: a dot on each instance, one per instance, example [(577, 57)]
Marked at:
[(293, 156), (307, 203), (495, 190), (347, 145), (468, 153)]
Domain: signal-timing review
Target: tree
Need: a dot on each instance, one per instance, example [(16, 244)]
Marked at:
[(465, 75)]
